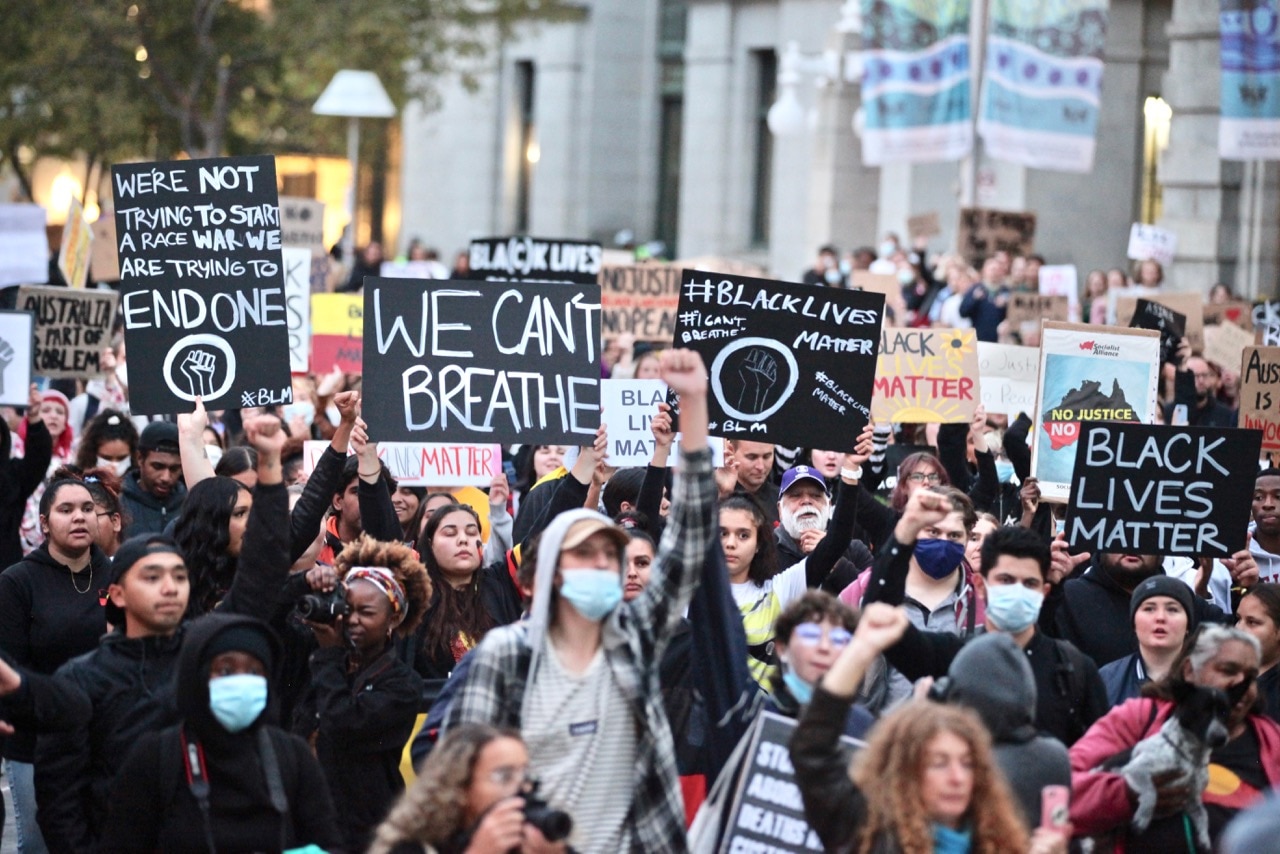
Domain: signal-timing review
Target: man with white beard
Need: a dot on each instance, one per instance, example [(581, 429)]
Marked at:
[(804, 510)]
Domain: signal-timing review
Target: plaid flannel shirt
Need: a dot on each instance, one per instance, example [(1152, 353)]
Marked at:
[(635, 636)]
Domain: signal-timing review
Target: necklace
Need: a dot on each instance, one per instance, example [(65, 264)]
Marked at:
[(87, 586)]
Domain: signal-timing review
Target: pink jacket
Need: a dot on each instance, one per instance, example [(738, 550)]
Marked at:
[(1100, 801)]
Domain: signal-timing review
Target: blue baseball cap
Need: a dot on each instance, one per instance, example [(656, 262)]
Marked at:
[(797, 473)]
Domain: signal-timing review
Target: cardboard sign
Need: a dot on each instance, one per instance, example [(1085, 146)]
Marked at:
[(1170, 324), (1061, 280), (1238, 312), (201, 286), (16, 332), (925, 375), (887, 286), (1189, 305), (302, 224), (1157, 490), (1087, 373), (533, 259), (1224, 344), (1008, 377), (104, 260), (639, 300), (337, 333), (924, 225), (767, 813), (77, 243), (72, 327), (1260, 394), (297, 299), (1266, 323), (458, 361), (790, 364), (627, 408), (426, 463), (984, 232), (1148, 243), (24, 247), (1025, 307)]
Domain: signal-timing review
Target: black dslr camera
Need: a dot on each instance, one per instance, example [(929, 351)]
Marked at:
[(323, 608), (554, 824)]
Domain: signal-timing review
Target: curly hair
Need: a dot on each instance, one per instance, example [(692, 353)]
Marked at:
[(431, 811), (203, 534), (107, 426), (404, 565), (461, 609), (890, 769), (764, 564)]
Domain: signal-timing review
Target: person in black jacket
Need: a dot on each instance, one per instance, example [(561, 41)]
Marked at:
[(128, 677), (252, 786), (153, 489), (19, 477), (365, 698)]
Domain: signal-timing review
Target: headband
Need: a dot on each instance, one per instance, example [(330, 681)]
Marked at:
[(385, 580)]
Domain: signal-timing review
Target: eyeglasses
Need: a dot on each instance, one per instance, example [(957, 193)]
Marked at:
[(1208, 375), (508, 774), (810, 634), (922, 477)]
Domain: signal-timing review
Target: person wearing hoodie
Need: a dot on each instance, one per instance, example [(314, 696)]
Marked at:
[(225, 777), (128, 677), (50, 612), (153, 488), (20, 476), (579, 678), (992, 676)]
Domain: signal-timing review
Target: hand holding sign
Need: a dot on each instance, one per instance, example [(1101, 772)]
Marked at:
[(864, 448), (1061, 562), (1242, 566), (499, 490)]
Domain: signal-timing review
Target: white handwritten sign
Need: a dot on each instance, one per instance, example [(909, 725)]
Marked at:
[(1008, 377), (427, 463)]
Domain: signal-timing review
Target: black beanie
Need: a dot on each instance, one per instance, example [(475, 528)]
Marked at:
[(242, 637), (1163, 585)]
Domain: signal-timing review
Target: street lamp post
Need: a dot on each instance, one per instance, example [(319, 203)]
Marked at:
[(356, 95)]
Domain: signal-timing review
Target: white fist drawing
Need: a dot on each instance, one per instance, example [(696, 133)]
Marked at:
[(198, 368)]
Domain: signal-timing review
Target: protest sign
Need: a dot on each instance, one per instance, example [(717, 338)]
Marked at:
[(104, 261), (924, 225), (426, 463), (72, 327), (1156, 490), (24, 246), (413, 270), (337, 333), (984, 232), (640, 301), (1239, 312), (297, 299), (788, 363), (533, 259), (1007, 375), (926, 375), (1266, 323), (16, 333), (1087, 373), (454, 361), (1060, 280), (202, 291), (627, 407), (886, 285), (77, 243), (1260, 394), (767, 813), (1170, 324), (302, 224), (1026, 307), (1224, 344), (1146, 242), (1189, 305)]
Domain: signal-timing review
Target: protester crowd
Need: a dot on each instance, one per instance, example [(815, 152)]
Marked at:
[(210, 642)]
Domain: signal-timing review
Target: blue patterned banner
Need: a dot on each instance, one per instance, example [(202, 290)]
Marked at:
[(1042, 82), (915, 89), (1250, 123)]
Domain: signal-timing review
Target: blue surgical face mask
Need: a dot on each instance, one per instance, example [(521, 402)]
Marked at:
[(1004, 470), (938, 558), (1013, 607), (592, 592), (800, 689), (237, 701)]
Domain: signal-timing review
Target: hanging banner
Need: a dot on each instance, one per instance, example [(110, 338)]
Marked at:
[(1087, 373), (1260, 394), (1042, 84), (926, 375), (72, 327), (1249, 123), (1007, 375), (915, 83), (337, 333), (77, 243), (534, 259), (640, 301)]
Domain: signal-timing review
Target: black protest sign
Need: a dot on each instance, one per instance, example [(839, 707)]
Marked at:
[(464, 361), (767, 813), (639, 301), (1172, 326), (789, 363), (534, 259), (202, 287), (72, 327), (1151, 489)]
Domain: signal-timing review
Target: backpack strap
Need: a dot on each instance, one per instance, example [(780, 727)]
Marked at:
[(275, 783), (197, 773)]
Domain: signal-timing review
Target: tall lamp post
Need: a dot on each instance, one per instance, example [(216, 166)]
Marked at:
[(356, 95)]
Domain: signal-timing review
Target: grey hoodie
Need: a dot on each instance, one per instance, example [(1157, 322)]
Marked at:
[(991, 675)]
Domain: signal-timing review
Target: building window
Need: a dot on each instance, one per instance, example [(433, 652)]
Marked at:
[(1155, 139), (766, 68), (671, 38), (529, 151)]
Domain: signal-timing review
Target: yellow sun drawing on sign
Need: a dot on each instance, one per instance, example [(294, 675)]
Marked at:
[(956, 344)]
